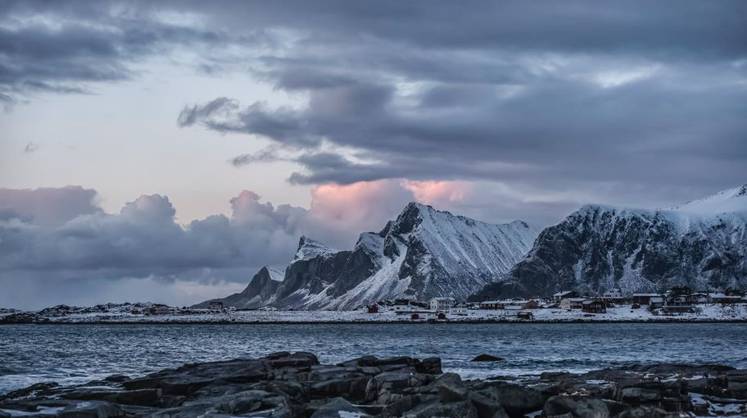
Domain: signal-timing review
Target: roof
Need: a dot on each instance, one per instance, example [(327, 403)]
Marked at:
[(445, 299), (563, 293)]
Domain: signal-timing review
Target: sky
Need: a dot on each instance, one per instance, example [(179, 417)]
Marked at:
[(165, 151)]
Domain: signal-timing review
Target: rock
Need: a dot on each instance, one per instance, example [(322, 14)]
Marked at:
[(487, 407), (450, 388), (92, 409), (338, 408), (431, 365), (294, 385), (487, 358), (737, 382), (644, 412), (581, 408), (437, 409), (116, 378), (515, 399), (299, 359)]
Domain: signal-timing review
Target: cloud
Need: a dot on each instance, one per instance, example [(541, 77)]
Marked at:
[(68, 47), (60, 236), (49, 206), (542, 96)]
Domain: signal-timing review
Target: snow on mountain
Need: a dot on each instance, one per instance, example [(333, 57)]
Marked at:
[(421, 254), (308, 248), (701, 244)]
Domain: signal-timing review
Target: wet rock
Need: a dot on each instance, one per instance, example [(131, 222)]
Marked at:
[(431, 365), (516, 400), (487, 358), (487, 407), (338, 408), (644, 412), (437, 409), (294, 385), (581, 408), (92, 409)]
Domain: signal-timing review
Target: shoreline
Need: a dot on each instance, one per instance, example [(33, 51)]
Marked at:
[(298, 385), (394, 322)]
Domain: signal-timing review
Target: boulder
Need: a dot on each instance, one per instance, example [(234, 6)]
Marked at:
[(92, 409), (516, 400), (581, 407), (487, 358), (437, 409), (338, 408)]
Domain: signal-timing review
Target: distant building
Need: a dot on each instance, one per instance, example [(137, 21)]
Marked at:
[(572, 303), (613, 296), (525, 315), (531, 304), (215, 306), (646, 298), (373, 308), (724, 299), (594, 306), (566, 294), (700, 298), (442, 304), (492, 305)]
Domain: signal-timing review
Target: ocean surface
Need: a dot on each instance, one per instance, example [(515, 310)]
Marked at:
[(78, 353)]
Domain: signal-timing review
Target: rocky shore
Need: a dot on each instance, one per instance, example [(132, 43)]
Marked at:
[(296, 385)]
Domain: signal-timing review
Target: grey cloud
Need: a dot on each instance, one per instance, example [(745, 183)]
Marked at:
[(64, 47), (61, 236)]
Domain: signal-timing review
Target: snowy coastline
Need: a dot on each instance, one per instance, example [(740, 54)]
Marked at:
[(124, 314)]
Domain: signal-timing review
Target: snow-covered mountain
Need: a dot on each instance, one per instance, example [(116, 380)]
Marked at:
[(422, 254), (701, 244)]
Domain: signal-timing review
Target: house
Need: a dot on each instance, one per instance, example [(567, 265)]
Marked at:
[(492, 305), (613, 296), (700, 298), (525, 315), (679, 296), (531, 304), (442, 304), (556, 298), (159, 309), (594, 306), (215, 306), (372, 309), (645, 298), (724, 299), (572, 303)]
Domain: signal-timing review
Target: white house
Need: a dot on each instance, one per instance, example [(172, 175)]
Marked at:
[(442, 304)]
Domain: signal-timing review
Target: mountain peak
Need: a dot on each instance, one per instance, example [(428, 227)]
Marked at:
[(309, 248)]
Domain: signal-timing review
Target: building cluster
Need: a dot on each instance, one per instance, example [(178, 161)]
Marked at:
[(678, 300)]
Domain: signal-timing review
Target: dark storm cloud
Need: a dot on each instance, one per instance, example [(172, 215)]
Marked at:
[(597, 96), (63, 47)]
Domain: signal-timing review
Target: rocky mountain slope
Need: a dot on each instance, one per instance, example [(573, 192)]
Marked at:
[(422, 254), (702, 244)]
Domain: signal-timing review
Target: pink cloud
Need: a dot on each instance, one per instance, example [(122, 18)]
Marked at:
[(438, 192)]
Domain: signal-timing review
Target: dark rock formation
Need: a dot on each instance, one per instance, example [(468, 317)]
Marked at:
[(486, 357), (296, 385)]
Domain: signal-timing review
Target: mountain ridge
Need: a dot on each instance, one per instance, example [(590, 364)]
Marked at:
[(701, 244), (422, 253)]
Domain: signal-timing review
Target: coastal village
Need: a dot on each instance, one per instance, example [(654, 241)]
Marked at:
[(674, 305)]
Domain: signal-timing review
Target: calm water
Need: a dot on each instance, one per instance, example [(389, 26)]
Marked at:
[(77, 353)]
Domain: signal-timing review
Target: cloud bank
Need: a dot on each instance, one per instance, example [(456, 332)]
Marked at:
[(57, 245)]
